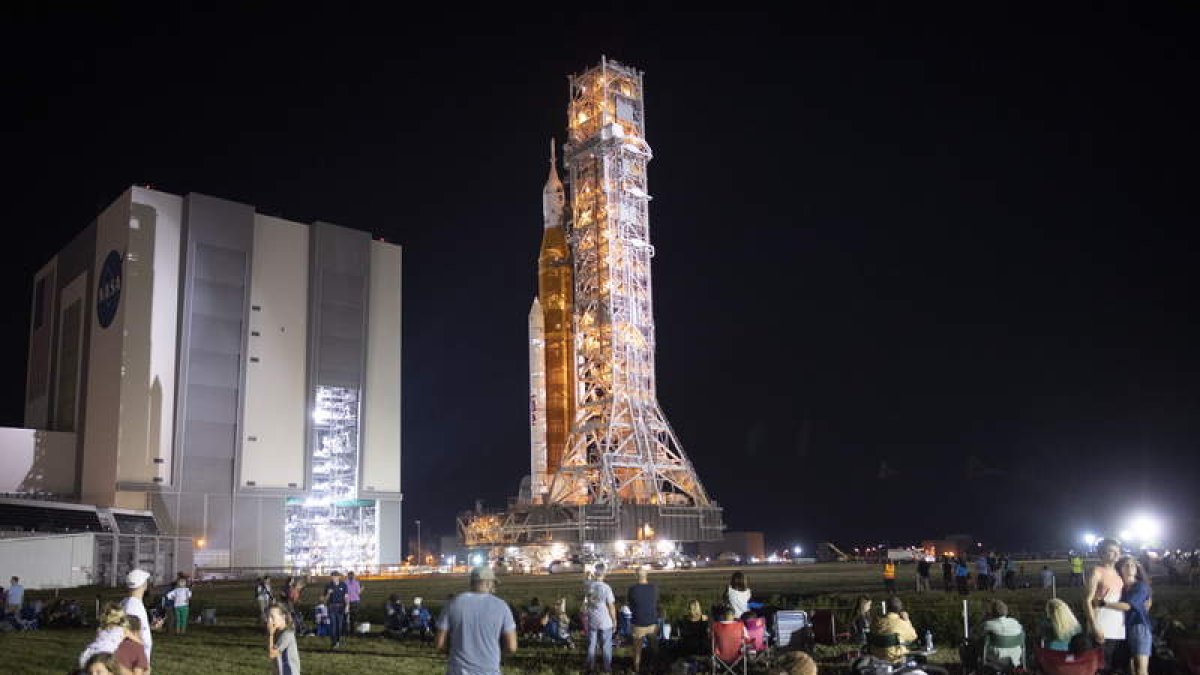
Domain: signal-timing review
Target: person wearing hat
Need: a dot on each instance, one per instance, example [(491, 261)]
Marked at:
[(336, 593), (137, 581), (472, 628)]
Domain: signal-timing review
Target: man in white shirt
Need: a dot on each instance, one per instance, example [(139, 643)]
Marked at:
[(601, 607), (137, 581)]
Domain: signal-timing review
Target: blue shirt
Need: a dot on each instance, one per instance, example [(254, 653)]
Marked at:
[(1136, 596), (337, 593), (475, 622), (16, 594), (643, 600)]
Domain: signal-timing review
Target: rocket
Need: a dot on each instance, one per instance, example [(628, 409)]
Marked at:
[(555, 292)]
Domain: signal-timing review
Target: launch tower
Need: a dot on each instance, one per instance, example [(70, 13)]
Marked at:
[(605, 464)]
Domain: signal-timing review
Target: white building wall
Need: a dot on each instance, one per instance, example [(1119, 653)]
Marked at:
[(151, 299), (273, 448), (58, 561), (381, 419)]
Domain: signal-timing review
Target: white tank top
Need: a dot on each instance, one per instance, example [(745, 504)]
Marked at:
[(1110, 621)]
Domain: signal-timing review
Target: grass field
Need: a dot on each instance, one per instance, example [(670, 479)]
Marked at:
[(237, 645)]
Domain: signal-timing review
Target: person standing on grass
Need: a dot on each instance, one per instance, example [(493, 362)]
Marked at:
[(1105, 624), (983, 571), (962, 577), (1135, 602), (889, 577), (600, 606), (281, 641), (947, 574), (15, 597), (180, 598), (263, 595), (1076, 569), (336, 594), (137, 582), (643, 600), (475, 626), (353, 597), (923, 574)]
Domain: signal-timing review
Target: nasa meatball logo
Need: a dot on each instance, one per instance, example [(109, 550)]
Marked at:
[(108, 292)]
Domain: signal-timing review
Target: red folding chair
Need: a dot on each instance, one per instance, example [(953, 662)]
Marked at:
[(728, 647), (1054, 662)]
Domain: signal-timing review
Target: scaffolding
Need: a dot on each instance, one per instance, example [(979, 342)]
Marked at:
[(622, 449), (622, 470), (331, 527)]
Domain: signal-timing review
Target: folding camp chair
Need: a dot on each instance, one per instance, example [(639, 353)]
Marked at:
[(1053, 662), (992, 641), (756, 634), (824, 626), (728, 647), (789, 626)]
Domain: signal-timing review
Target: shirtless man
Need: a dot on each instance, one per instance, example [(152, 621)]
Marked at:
[(1107, 625)]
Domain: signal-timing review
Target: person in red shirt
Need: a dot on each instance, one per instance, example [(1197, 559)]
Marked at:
[(131, 654)]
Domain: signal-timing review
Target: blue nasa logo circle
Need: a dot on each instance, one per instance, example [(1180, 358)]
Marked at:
[(108, 291)]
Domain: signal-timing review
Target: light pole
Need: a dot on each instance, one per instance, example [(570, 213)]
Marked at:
[(418, 543)]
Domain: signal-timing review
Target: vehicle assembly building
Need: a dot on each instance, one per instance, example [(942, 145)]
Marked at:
[(605, 464), (235, 374)]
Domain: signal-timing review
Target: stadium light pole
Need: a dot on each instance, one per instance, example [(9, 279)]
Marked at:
[(418, 543)]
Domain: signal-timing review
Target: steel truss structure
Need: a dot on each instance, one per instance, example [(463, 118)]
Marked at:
[(622, 470), (621, 449)]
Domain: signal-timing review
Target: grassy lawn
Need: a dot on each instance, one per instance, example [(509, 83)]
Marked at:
[(237, 645)]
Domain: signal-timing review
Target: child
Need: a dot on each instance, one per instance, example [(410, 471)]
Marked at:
[(108, 635), (420, 620), (395, 614), (321, 618), (180, 596), (282, 641), (131, 654)]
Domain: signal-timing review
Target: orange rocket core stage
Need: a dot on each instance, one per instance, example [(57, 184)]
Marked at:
[(555, 290)]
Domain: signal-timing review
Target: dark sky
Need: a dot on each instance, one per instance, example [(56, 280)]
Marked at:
[(962, 245)]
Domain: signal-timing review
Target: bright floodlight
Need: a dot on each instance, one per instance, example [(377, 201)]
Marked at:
[(1126, 535), (1090, 539), (796, 550), (665, 546), (1145, 528)]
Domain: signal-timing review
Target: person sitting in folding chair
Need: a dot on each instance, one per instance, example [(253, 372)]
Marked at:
[(756, 632), (892, 633), (729, 643), (1001, 645)]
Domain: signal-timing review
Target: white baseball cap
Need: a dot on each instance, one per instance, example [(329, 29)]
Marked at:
[(136, 578)]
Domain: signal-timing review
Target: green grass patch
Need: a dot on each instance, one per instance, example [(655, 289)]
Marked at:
[(237, 645)]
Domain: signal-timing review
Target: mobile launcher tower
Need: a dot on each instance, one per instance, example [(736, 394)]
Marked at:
[(606, 467)]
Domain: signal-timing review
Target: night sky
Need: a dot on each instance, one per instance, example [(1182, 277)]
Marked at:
[(915, 273)]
